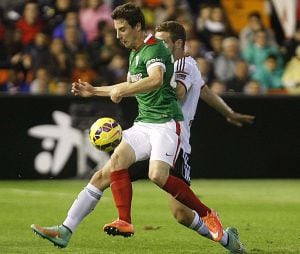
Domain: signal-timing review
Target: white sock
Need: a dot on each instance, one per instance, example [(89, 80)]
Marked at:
[(224, 239), (85, 203), (199, 226)]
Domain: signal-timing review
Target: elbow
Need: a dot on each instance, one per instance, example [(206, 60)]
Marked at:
[(180, 96), (205, 92)]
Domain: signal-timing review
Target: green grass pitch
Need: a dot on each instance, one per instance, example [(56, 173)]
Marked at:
[(266, 212)]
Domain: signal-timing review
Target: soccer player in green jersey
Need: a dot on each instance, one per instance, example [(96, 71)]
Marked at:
[(150, 79)]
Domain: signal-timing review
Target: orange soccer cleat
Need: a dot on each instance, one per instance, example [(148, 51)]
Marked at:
[(119, 227), (214, 225)]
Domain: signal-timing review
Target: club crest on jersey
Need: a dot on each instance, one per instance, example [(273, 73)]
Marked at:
[(135, 77)]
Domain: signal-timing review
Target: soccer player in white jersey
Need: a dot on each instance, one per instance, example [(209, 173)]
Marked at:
[(190, 86)]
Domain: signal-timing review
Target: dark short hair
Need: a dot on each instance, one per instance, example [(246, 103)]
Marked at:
[(131, 13), (176, 30)]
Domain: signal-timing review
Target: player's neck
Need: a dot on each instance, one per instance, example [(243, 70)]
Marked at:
[(178, 53), (140, 40)]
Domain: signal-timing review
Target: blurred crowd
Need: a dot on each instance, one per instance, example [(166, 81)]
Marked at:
[(45, 45)]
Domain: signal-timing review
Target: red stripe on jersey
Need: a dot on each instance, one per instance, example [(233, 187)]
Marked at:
[(178, 131), (151, 41)]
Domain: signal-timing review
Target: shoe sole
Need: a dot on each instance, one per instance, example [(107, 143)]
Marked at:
[(39, 234), (115, 232)]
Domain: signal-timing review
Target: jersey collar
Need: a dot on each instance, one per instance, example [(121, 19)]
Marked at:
[(146, 40)]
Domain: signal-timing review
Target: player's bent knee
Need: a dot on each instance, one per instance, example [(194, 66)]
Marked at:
[(157, 178), (101, 179)]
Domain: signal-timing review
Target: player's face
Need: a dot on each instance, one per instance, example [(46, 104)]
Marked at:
[(165, 36), (125, 33)]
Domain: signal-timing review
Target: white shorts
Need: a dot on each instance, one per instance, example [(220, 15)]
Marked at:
[(154, 141)]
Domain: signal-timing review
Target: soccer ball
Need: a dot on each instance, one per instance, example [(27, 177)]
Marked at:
[(105, 134)]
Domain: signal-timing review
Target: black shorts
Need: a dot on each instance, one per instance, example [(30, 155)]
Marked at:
[(181, 170)]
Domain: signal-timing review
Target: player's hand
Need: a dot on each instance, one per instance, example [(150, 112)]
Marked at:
[(83, 89), (238, 119), (115, 95)]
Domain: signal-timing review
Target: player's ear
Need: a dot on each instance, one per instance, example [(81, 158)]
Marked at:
[(179, 43), (138, 26)]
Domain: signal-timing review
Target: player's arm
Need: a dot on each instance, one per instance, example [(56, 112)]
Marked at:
[(118, 91), (85, 89), (220, 105), (180, 90), (147, 84)]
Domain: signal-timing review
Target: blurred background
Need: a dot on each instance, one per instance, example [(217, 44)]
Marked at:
[(248, 52)]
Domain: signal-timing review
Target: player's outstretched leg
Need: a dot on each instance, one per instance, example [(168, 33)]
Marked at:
[(119, 227), (234, 245), (58, 235)]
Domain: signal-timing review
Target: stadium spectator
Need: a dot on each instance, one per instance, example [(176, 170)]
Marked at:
[(90, 13), (4, 56), (206, 69), (40, 84), (55, 13), (217, 87), (116, 70), (202, 17), (257, 51), (36, 49), (217, 23), (241, 77), (16, 82), (169, 10), (30, 23), (94, 46), (291, 74), (224, 64), (61, 86), (254, 24), (270, 74), (253, 88), (72, 41), (56, 59), (106, 52), (214, 48), (148, 12), (71, 20), (82, 69)]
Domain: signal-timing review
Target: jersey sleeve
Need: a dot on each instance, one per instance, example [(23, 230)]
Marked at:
[(155, 55), (185, 73)]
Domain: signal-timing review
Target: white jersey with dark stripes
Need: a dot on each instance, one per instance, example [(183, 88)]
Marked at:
[(187, 73)]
